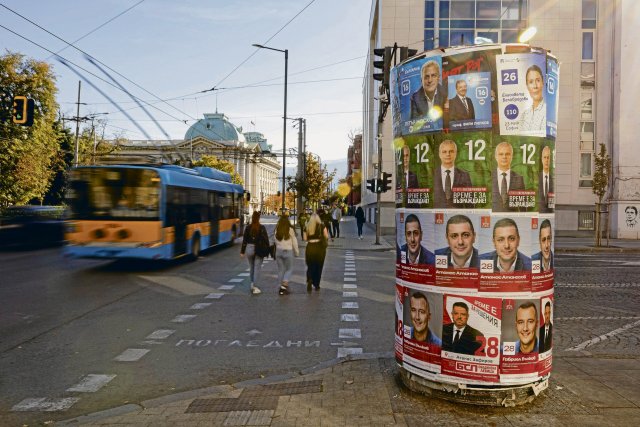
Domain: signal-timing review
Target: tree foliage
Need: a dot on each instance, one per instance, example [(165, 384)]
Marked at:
[(313, 187), (28, 154), (222, 165), (601, 173), (273, 202)]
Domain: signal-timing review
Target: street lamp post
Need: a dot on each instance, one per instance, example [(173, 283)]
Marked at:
[(284, 119)]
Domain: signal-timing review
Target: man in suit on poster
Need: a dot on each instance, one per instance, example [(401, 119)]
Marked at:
[(406, 177), (460, 236), (459, 337), (503, 179), (545, 256), (415, 252), (546, 331), (430, 95), (506, 239), (545, 181), (461, 106), (448, 176)]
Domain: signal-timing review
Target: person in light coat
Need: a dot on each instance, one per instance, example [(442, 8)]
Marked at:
[(286, 247)]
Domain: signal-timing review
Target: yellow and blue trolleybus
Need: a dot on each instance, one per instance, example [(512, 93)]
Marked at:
[(151, 212)]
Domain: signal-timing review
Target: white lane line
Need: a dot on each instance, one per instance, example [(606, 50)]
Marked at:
[(200, 305), (91, 383), (604, 337), (226, 287), (348, 304), (214, 295), (349, 273), (243, 274), (45, 404), (349, 318), (349, 295), (183, 318), (349, 286), (344, 352), (350, 279), (349, 269), (160, 334), (349, 333), (235, 281), (131, 355)]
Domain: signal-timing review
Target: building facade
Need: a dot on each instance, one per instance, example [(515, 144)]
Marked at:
[(213, 135), (354, 167), (592, 40)]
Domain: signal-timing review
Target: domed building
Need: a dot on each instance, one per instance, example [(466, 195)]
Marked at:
[(212, 135)]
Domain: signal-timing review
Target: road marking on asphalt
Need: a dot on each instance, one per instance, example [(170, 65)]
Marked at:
[(91, 383), (349, 333), (349, 269), (349, 304), (214, 295), (349, 294), (349, 286), (243, 274), (349, 273), (598, 318), (131, 355), (349, 318), (160, 334), (344, 352), (226, 287), (200, 305), (350, 279), (179, 284), (604, 337), (235, 280), (183, 318), (45, 404)]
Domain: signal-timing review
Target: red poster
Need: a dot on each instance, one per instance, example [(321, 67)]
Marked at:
[(422, 329), (519, 360)]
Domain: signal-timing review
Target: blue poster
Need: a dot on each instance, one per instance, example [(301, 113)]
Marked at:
[(552, 96), (422, 95), (395, 103), (470, 101)]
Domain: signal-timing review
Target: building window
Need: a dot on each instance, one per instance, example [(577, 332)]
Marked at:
[(586, 105), (586, 220), (587, 75), (587, 45), (586, 165), (589, 8), (586, 136), (460, 37), (488, 9), (511, 10), (463, 10)]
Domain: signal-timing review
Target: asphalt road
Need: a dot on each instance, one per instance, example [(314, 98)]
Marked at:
[(120, 327)]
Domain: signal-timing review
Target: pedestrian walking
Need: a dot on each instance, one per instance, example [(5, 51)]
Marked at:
[(255, 244), (360, 220), (286, 248), (325, 217), (316, 252), (336, 216), (302, 222)]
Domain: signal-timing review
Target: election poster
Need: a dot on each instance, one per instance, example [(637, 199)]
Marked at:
[(542, 270), (422, 329), (471, 339), (462, 172), (421, 95), (545, 335), (552, 96), (396, 120), (514, 175), (522, 108), (414, 170), (414, 246), (505, 254), (398, 342), (457, 257), (546, 176), (519, 355)]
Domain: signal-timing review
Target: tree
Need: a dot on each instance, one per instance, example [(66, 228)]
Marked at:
[(220, 164), (28, 153), (92, 145), (313, 187), (601, 176)]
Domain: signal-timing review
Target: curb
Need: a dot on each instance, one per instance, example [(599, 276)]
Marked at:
[(587, 249)]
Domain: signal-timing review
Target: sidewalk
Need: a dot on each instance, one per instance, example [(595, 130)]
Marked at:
[(364, 391), (349, 237)]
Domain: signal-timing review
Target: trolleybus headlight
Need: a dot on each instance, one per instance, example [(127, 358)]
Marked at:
[(123, 234), (99, 233)]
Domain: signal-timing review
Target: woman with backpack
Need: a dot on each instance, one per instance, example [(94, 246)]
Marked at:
[(255, 243), (317, 242), (286, 248)]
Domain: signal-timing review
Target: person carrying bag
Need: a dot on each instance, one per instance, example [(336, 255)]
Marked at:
[(286, 246), (255, 243), (317, 239)]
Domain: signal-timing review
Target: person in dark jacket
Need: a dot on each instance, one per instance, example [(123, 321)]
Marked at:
[(316, 236), (360, 220), (255, 243)]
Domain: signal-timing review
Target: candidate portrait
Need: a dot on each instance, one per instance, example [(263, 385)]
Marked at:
[(545, 335), (429, 99), (461, 106), (420, 312), (458, 336), (406, 177), (527, 328), (506, 240), (461, 237), (545, 238), (448, 176), (503, 179), (545, 181), (413, 249), (534, 118)]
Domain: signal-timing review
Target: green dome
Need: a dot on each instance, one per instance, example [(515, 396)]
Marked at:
[(216, 127)]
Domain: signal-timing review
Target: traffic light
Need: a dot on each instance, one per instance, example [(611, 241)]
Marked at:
[(372, 185), (23, 110), (405, 53), (385, 185), (384, 65)]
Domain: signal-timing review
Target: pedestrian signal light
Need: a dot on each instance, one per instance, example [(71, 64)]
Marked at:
[(372, 185), (23, 110), (386, 182)]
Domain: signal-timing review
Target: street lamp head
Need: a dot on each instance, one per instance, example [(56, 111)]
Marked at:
[(257, 45)]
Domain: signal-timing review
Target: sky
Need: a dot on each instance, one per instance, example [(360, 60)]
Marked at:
[(174, 50)]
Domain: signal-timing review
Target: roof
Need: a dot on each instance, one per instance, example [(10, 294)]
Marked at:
[(216, 127)]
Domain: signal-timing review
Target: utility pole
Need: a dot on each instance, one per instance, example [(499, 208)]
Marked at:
[(75, 159), (300, 174)]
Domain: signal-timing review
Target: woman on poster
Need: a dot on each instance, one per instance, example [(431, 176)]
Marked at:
[(534, 119)]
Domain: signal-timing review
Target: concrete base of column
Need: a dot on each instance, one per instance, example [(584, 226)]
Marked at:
[(473, 394)]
